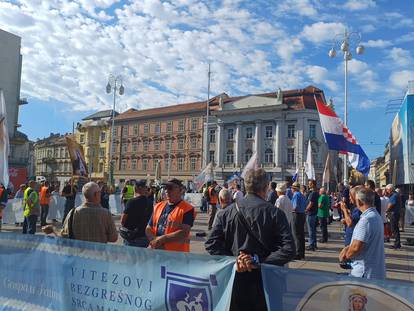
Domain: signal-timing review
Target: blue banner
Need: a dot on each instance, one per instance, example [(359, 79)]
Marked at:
[(305, 290), (44, 273)]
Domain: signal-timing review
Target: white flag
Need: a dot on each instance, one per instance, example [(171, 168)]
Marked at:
[(326, 178), (205, 176), (309, 169), (4, 143), (251, 164)]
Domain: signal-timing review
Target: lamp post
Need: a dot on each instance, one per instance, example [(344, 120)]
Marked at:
[(345, 42), (114, 85)]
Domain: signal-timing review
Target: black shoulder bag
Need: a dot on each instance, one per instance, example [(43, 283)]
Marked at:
[(70, 224)]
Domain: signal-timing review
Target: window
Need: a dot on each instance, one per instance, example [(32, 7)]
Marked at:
[(169, 126), (181, 125), (125, 130), (56, 155), (123, 164), (101, 152), (166, 164), (291, 155), (103, 137), (101, 167), (180, 164), (194, 124), (134, 164), (249, 133), (134, 146), (229, 157), (145, 164), (157, 128), (211, 158), (145, 145), (248, 154), (193, 162), (181, 143), (212, 137), (269, 131), (154, 164), (146, 129), (312, 131), (268, 156), (156, 144), (82, 138), (230, 134), (135, 130), (114, 146), (193, 142), (291, 131), (125, 147), (168, 144)]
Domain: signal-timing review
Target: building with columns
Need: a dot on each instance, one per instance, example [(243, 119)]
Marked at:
[(277, 126)]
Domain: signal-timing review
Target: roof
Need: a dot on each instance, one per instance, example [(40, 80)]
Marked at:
[(298, 99), (100, 114), (53, 139)]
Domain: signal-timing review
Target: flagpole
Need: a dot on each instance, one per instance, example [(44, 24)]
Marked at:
[(207, 149)]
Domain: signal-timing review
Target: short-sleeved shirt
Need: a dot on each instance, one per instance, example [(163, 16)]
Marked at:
[(139, 211), (323, 211), (284, 203), (395, 201), (298, 202), (370, 262), (355, 215), (313, 197), (188, 219)]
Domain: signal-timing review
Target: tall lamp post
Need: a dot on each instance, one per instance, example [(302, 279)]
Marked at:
[(345, 42), (114, 85)]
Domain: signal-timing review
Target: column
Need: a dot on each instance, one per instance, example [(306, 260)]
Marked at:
[(258, 141), (238, 144), (219, 144), (280, 142)]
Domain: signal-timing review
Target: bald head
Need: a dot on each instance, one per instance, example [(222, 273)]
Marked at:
[(91, 192), (225, 197)]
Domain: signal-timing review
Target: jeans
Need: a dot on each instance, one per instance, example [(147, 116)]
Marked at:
[(44, 210), (211, 214), (138, 242), (299, 233), (395, 218), (324, 228), (311, 221), (29, 224)]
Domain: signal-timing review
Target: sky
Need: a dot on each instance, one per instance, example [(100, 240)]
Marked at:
[(162, 50)]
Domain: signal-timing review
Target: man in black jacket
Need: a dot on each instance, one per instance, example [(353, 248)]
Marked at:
[(269, 241)]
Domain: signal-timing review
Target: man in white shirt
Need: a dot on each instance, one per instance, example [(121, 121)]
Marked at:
[(283, 202), (238, 194)]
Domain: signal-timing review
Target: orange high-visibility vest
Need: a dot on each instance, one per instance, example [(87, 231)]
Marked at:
[(213, 196), (43, 196), (173, 224)]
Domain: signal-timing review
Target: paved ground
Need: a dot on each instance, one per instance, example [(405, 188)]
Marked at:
[(400, 263)]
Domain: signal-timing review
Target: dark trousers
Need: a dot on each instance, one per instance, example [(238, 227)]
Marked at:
[(299, 233), (211, 214), (69, 204), (138, 242), (248, 294), (44, 211), (324, 228), (29, 224), (395, 218)]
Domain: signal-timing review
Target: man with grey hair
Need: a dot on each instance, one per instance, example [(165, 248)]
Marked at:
[(256, 232), (366, 251), (225, 198), (393, 210), (90, 221)]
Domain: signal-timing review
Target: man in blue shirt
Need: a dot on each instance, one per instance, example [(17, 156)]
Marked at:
[(367, 246), (299, 206), (393, 209)]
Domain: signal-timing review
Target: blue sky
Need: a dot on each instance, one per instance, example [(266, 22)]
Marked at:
[(162, 48)]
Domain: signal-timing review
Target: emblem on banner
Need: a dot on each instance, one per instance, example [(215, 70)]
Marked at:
[(187, 293)]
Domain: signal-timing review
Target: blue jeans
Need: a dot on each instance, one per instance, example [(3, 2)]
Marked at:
[(311, 221), (29, 224), (138, 242)]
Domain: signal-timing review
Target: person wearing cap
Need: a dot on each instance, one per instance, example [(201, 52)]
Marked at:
[(299, 218), (135, 217), (283, 202), (171, 221)]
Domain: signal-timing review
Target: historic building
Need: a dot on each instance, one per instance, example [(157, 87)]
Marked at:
[(52, 159), (94, 135)]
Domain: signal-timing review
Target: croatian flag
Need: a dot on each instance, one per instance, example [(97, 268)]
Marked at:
[(339, 137), (295, 177)]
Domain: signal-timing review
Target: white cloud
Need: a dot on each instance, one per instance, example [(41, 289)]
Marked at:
[(320, 75), (298, 7), (286, 48), (400, 57), (378, 43), (357, 5), (362, 74), (367, 104), (320, 32), (399, 79)]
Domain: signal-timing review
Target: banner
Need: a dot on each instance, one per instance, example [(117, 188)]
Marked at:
[(44, 273), (77, 157), (305, 290)]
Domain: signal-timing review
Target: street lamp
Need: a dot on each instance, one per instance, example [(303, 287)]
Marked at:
[(345, 42), (114, 85)]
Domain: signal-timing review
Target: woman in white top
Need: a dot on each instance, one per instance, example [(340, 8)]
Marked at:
[(409, 210), (284, 203), (384, 206)]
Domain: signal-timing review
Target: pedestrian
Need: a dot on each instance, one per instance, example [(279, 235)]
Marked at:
[(44, 202), (351, 215), (3, 201), (393, 210), (135, 217), (69, 192), (171, 221), (20, 192), (303, 190), (384, 216), (127, 192), (238, 194), (90, 221), (311, 214), (255, 232), (271, 194), (367, 246), (323, 214), (284, 203), (299, 218), (371, 185), (403, 200), (104, 195), (410, 209), (31, 207), (212, 202), (225, 199)]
